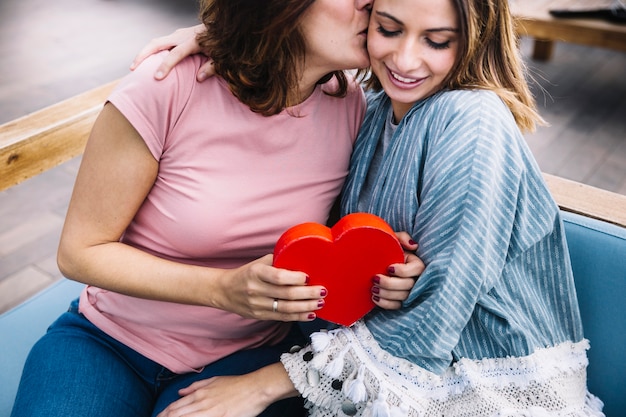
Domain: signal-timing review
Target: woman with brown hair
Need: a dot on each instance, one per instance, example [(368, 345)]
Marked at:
[(183, 190)]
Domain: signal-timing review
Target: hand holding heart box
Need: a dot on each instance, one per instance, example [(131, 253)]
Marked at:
[(344, 259)]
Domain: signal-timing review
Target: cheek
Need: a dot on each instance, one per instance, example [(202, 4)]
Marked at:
[(374, 48), (444, 63)]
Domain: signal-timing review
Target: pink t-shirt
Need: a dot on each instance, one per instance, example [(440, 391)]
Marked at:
[(230, 182)]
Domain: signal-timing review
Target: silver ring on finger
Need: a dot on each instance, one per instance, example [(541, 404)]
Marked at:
[(275, 305)]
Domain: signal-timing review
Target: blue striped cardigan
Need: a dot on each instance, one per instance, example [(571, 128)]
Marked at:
[(460, 179)]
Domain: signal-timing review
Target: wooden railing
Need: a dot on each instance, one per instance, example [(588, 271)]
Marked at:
[(46, 138)]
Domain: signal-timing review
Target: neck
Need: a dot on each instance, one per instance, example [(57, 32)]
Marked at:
[(399, 110), (307, 83), (303, 92)]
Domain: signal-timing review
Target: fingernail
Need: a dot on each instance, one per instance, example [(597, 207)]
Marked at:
[(202, 76), (311, 316), (306, 280), (412, 242), (391, 269), (320, 304), (375, 290), (376, 279), (159, 75), (376, 298), (323, 292)]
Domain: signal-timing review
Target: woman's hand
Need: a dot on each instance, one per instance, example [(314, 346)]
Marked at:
[(221, 396), (181, 43), (260, 291), (233, 396), (389, 291), (254, 289)]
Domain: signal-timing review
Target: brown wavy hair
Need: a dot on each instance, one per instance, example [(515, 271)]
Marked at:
[(489, 58), (258, 48)]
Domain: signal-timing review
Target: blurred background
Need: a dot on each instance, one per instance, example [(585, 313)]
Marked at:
[(52, 50)]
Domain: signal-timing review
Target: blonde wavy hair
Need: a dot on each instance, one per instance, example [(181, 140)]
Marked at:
[(489, 58)]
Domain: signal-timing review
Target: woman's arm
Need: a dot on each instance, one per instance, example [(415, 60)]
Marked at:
[(116, 175), (234, 396), (181, 43)]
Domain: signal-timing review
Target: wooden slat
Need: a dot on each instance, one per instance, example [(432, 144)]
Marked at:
[(46, 138), (578, 31), (534, 20), (588, 201)]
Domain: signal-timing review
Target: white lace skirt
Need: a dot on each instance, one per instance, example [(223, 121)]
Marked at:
[(345, 373)]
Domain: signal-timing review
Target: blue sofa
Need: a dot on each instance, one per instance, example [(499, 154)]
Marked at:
[(598, 253)]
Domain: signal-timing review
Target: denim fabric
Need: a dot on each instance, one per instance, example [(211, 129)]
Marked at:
[(77, 370)]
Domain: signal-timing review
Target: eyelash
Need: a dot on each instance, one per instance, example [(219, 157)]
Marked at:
[(438, 46), (386, 33), (435, 45)]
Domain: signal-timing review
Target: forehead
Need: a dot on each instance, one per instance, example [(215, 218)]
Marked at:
[(422, 12)]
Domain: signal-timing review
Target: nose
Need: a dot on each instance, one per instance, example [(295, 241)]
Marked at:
[(408, 56), (363, 4)]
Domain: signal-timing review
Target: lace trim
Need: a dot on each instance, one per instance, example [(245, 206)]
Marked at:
[(345, 372)]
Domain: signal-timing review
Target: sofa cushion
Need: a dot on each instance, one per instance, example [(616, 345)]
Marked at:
[(22, 326), (598, 253)]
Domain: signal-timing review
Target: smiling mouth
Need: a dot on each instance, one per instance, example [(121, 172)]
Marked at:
[(403, 79)]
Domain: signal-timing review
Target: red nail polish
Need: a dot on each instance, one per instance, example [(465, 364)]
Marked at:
[(376, 298), (412, 242), (320, 304), (376, 279), (323, 292), (375, 290), (306, 280), (311, 316), (391, 269)]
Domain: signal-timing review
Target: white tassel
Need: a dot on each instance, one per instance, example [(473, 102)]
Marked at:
[(335, 367), (380, 408), (354, 389), (320, 341)]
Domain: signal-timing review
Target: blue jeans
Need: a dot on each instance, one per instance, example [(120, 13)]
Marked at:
[(77, 370)]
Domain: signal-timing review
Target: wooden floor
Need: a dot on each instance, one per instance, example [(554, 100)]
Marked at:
[(53, 50)]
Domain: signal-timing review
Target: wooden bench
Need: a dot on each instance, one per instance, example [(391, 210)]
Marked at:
[(595, 223), (534, 20), (46, 138)]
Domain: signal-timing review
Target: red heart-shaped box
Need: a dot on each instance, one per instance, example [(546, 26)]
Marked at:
[(344, 259)]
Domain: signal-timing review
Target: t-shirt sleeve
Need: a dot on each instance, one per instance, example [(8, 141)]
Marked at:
[(151, 106)]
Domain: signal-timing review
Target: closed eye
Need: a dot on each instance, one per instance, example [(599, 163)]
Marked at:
[(438, 45), (387, 33)]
